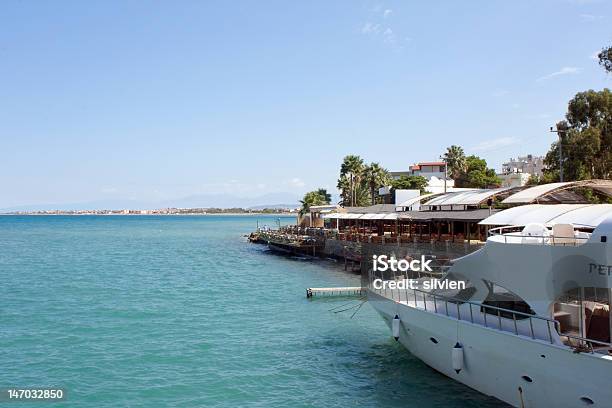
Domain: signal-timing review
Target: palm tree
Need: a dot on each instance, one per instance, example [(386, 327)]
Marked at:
[(345, 188), (375, 176), (325, 195), (362, 195), (351, 173), (317, 197), (455, 161)]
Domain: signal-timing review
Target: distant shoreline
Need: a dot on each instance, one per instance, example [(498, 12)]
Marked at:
[(156, 214)]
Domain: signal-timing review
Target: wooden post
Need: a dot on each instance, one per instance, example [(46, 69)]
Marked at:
[(468, 231)]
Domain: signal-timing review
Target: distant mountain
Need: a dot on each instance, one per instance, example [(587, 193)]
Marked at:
[(274, 206), (195, 201), (233, 201)]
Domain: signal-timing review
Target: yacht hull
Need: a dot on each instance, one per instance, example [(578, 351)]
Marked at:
[(515, 369)]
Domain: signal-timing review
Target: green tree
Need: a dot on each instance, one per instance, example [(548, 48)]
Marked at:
[(586, 137), (375, 177), (316, 197), (351, 175), (605, 58), (327, 196), (455, 161), (533, 180), (410, 183), (477, 174), (362, 195)]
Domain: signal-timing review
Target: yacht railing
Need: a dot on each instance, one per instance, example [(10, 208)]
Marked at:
[(518, 323), (586, 342), (499, 318), (518, 237)]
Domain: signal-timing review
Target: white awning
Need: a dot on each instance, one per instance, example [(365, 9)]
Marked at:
[(472, 197), (414, 200), (323, 208), (368, 216), (589, 215), (379, 216), (531, 194)]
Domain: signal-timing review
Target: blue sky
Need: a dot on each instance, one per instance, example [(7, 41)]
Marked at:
[(155, 101)]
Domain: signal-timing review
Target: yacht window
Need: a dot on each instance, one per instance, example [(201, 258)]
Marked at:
[(585, 312), (503, 298), (459, 296)]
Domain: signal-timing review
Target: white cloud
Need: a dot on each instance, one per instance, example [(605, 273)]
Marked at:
[(500, 92), (494, 144), (387, 13), (370, 28), (582, 2), (296, 182), (562, 71), (590, 17), (389, 36), (109, 190)]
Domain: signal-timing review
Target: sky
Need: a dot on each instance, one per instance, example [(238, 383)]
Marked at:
[(156, 101)]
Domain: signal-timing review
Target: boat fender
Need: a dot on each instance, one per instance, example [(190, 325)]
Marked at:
[(457, 357), (395, 327)]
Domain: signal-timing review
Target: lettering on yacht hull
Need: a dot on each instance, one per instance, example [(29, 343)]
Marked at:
[(600, 269)]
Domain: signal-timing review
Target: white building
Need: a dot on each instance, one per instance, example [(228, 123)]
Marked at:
[(434, 172), (526, 164), (516, 172), (514, 179)]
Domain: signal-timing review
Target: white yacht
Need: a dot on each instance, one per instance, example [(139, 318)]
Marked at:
[(532, 327)]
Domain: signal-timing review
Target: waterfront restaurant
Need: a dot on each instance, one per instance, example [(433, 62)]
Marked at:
[(451, 217), (442, 217)]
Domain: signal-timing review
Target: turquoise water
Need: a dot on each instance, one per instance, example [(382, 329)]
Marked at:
[(146, 311)]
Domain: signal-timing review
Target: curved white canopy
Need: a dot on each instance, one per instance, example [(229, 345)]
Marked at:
[(414, 200), (472, 197), (531, 194), (589, 215)]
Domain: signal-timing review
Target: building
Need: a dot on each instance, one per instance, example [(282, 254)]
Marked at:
[(516, 172), (315, 216), (434, 172)]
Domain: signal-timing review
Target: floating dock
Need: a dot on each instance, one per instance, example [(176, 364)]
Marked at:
[(341, 291)]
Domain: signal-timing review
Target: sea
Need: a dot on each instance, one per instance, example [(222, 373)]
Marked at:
[(182, 311)]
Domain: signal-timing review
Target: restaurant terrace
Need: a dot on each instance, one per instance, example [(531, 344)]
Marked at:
[(451, 217)]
